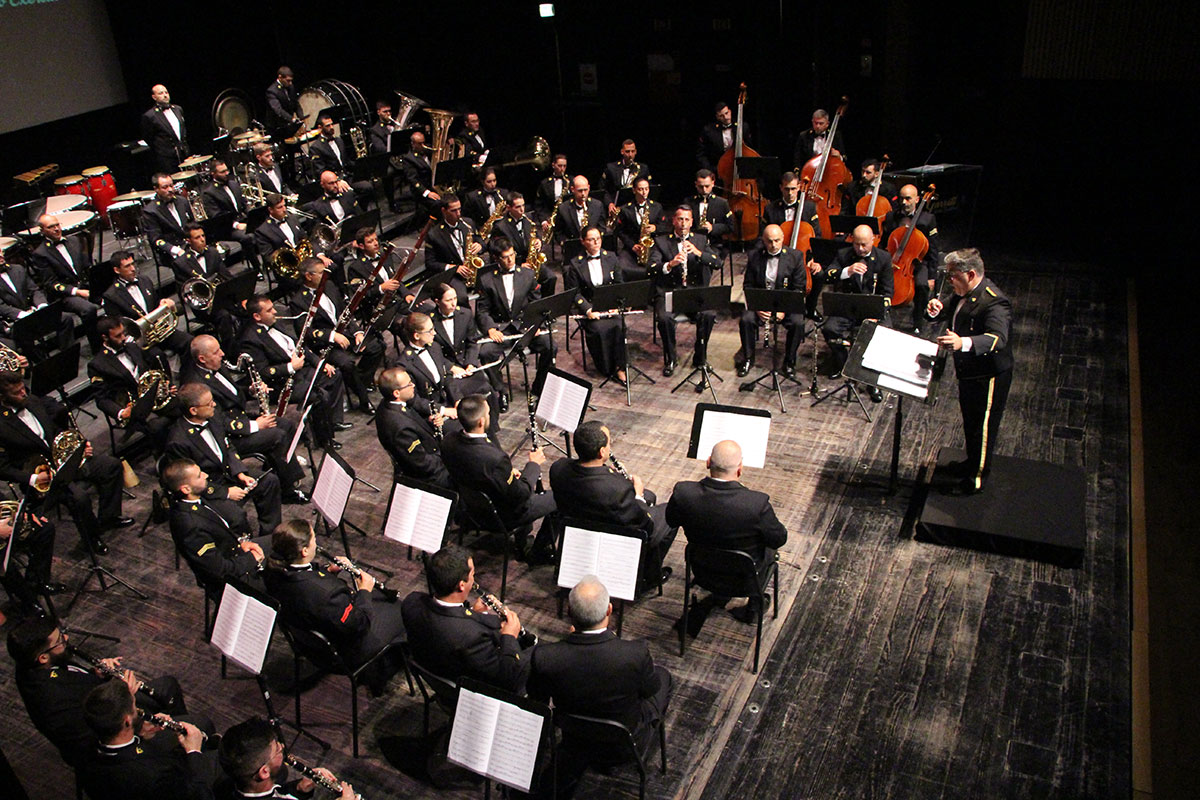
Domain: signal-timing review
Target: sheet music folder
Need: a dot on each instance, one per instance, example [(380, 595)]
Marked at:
[(498, 734), (418, 514), (606, 551), (564, 399), (335, 479), (749, 427), (244, 625), (906, 371)]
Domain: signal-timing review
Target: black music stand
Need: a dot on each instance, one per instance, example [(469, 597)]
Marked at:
[(858, 307), (233, 293), (775, 301), (824, 251), (542, 313), (350, 225), (624, 297), (30, 329), (218, 228), (426, 285), (371, 167), (455, 170), (693, 301), (52, 374)]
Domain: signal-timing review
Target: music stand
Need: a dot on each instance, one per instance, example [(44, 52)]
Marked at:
[(624, 297), (542, 313), (426, 284), (763, 169), (858, 307), (36, 325), (505, 759), (561, 392), (233, 293), (693, 301), (255, 217), (824, 251), (350, 225), (775, 301), (844, 226), (53, 373), (371, 167), (218, 228), (455, 170)]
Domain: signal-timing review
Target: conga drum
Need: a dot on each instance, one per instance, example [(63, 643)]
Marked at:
[(71, 184), (101, 186)]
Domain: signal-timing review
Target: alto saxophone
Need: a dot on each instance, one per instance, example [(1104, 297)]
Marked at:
[(360, 142), (645, 239)]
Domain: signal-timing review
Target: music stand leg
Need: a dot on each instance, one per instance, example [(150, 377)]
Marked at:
[(894, 479), (100, 573), (851, 395), (629, 369), (705, 371), (277, 722)]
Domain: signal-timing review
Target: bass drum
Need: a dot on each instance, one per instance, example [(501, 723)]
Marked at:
[(329, 92), (232, 111)]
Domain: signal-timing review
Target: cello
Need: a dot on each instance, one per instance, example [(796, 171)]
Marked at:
[(826, 175), (907, 245), (872, 205), (797, 233), (745, 200)]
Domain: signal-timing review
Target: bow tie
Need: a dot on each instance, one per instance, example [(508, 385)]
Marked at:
[(821, 135), (594, 258)]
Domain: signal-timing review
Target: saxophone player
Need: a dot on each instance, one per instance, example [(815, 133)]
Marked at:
[(553, 189), (518, 228), (481, 203), (594, 267), (710, 213), (583, 210), (621, 174), (450, 243), (634, 216)]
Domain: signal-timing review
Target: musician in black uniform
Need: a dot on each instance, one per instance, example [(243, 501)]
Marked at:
[(924, 271), (455, 331), (553, 188), (53, 688), (814, 141), (481, 203), (224, 196), (132, 297), (133, 757), (408, 435), (449, 243), (717, 137), (339, 347), (212, 533), (283, 106), (710, 213), (594, 267), (418, 174), (269, 174), (582, 210), (361, 265), (199, 435), (629, 229), (114, 372), (471, 138), (28, 427), (251, 757), (330, 152), (621, 174), (165, 131), (164, 217), (478, 463), (264, 434), (586, 488), (980, 326), (19, 294), (274, 352), (198, 260), (63, 266), (865, 185), (681, 259), (35, 538), (861, 268), (503, 295), (282, 229), (337, 201), (784, 209), (451, 639), (379, 142), (517, 228), (359, 623), (772, 266)]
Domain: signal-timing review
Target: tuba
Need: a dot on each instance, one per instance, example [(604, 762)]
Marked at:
[(155, 327)]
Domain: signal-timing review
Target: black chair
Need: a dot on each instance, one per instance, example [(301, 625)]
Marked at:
[(607, 734), (319, 651), (481, 516), (728, 573), (434, 689)]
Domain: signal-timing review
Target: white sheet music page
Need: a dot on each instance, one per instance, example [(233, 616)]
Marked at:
[(750, 431), (894, 353), (242, 630), (471, 739), (291, 451), (515, 746), (617, 561), (578, 556), (331, 490), (561, 403), (417, 518)]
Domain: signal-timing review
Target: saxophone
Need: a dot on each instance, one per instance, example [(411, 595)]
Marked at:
[(553, 218), (360, 142), (645, 239), (536, 257), (475, 263)]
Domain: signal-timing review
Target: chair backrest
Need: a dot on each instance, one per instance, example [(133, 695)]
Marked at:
[(442, 686), (725, 572), (314, 646), (595, 732), (480, 509)]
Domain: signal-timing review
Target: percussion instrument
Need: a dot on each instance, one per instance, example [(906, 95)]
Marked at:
[(232, 111), (186, 177), (58, 203), (329, 92), (202, 164), (71, 184), (102, 187), (303, 137), (250, 138), (35, 176), (72, 222), (140, 194), (124, 218), (7, 242)]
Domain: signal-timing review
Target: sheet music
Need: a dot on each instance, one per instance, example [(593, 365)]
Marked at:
[(891, 352), (474, 731), (612, 558), (332, 490), (291, 451), (561, 403), (904, 387), (242, 630), (749, 431), (495, 739), (417, 518)]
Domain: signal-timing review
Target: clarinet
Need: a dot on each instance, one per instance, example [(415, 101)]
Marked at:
[(618, 467), (316, 777), (386, 298), (345, 563), (163, 721), (261, 392), (308, 318), (533, 438), (111, 672), (499, 609), (435, 408)]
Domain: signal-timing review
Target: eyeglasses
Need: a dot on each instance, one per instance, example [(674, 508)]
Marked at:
[(62, 639)]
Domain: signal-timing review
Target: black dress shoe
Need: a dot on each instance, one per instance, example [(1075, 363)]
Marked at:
[(503, 403), (956, 469), (118, 522), (343, 426), (332, 444), (876, 394), (815, 316), (789, 370), (964, 488), (701, 386), (296, 498), (743, 369), (364, 405), (665, 575), (669, 367), (99, 548), (52, 587)]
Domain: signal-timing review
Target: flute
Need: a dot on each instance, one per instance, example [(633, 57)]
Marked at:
[(345, 563), (163, 721), (334, 785), (111, 672), (606, 314), (508, 337)]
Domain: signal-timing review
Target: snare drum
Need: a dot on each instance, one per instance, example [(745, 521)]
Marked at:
[(71, 184), (124, 218), (101, 186), (59, 203)]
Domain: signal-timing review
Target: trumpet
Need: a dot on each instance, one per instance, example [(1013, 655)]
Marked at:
[(342, 562), (304, 769), (163, 721), (526, 639)]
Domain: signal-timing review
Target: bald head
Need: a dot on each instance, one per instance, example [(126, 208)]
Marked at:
[(725, 460), (588, 604), (160, 94), (50, 226), (206, 351), (772, 237)]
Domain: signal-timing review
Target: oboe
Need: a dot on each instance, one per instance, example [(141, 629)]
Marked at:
[(328, 785), (163, 721), (526, 638), (345, 563), (111, 672)]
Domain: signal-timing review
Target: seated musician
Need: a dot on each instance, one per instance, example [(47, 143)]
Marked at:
[(338, 345), (449, 244), (329, 151), (553, 189), (114, 372), (133, 297), (164, 217), (784, 209), (641, 211), (224, 196), (455, 331), (710, 213), (418, 174), (35, 539), (481, 203), (198, 260), (621, 174), (264, 433), (408, 430), (20, 296), (576, 214), (452, 640), (63, 265), (362, 265), (210, 532), (53, 688), (358, 622), (588, 489), (277, 360), (902, 215), (861, 268), (131, 756), (251, 758), (517, 228), (594, 267), (199, 435), (270, 176), (503, 295), (772, 266), (681, 259), (337, 201), (470, 138), (477, 462), (865, 186), (282, 229), (440, 381), (28, 427)]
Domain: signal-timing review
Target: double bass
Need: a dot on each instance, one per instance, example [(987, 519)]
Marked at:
[(907, 246), (797, 233), (826, 174), (745, 200), (872, 205)]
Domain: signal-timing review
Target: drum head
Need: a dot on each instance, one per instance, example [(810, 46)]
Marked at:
[(124, 216), (61, 203), (232, 111), (92, 172), (75, 221), (329, 92), (68, 180)]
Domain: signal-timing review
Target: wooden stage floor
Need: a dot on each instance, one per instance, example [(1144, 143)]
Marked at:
[(895, 669)]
